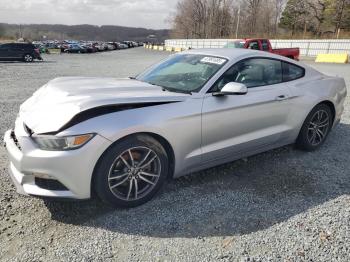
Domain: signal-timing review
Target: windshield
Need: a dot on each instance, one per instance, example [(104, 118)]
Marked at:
[(236, 44), (183, 73)]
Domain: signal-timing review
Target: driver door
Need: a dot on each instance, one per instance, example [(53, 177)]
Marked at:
[(233, 125)]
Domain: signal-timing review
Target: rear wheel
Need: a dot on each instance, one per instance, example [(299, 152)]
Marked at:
[(28, 58), (131, 172), (315, 128)]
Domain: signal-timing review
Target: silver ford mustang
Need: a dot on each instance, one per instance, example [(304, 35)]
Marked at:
[(122, 138)]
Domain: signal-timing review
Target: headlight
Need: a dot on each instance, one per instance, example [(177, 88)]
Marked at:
[(54, 143)]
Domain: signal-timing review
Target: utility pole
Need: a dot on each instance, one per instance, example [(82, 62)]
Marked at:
[(238, 20)]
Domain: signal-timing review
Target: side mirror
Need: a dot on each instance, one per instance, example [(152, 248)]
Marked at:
[(232, 88)]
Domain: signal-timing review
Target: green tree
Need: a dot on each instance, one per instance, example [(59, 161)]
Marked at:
[(337, 15), (342, 14), (294, 15)]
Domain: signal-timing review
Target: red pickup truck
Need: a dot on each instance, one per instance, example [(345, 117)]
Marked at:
[(264, 45)]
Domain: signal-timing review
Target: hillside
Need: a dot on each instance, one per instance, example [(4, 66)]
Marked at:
[(81, 32)]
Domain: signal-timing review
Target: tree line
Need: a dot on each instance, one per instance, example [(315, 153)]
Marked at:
[(268, 18)]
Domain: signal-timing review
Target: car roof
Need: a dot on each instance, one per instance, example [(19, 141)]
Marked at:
[(15, 43), (229, 53), (235, 54)]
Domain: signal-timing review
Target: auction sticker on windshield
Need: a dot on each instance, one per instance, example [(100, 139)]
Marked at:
[(213, 60)]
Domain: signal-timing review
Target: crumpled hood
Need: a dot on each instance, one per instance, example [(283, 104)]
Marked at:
[(57, 102)]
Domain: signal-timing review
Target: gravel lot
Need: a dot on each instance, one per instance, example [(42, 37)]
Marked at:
[(284, 205)]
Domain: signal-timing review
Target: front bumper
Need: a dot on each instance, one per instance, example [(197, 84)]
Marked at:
[(72, 169)]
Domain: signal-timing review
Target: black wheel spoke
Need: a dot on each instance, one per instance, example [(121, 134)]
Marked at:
[(125, 162), (131, 182), (120, 183), (131, 158), (145, 158), (320, 133), (136, 188), (146, 180), (149, 162), (148, 174), (118, 177), (323, 125)]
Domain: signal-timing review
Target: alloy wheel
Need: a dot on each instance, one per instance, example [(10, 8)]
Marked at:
[(134, 173), (318, 127), (28, 58)]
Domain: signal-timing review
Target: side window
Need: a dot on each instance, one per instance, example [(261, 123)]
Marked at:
[(252, 72), (264, 45), (16, 47), (292, 72), (4, 46), (253, 45)]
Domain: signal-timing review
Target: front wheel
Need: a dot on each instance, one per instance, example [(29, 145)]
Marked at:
[(28, 58), (131, 172), (316, 128)]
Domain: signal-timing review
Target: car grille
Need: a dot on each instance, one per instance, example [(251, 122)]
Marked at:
[(14, 138), (50, 184)]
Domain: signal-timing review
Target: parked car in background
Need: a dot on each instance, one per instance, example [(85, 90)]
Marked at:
[(19, 52), (101, 47), (90, 48), (75, 48), (128, 43), (122, 46), (264, 45), (111, 47)]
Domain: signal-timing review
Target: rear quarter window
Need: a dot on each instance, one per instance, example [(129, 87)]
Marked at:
[(292, 72), (265, 45)]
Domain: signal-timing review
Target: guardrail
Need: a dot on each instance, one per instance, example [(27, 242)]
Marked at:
[(308, 47)]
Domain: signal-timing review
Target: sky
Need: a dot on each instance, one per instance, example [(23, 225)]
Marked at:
[(152, 14)]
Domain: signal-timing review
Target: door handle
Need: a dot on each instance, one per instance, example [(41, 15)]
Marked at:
[(281, 98)]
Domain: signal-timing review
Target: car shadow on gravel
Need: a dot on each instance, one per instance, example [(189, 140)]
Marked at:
[(238, 198)]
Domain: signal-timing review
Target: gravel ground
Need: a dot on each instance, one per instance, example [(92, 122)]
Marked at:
[(283, 205)]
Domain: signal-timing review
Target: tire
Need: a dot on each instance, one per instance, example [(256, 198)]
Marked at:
[(28, 58), (316, 128), (119, 183)]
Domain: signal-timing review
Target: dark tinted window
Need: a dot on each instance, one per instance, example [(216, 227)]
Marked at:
[(17, 47), (264, 45), (292, 72), (252, 72), (4, 46), (253, 45), (21, 46)]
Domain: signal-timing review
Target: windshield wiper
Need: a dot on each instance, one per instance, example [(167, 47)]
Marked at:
[(176, 90), (169, 89)]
